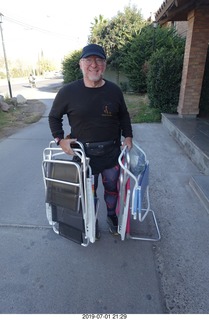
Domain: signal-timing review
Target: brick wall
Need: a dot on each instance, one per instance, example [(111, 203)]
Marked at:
[(181, 28), (194, 62)]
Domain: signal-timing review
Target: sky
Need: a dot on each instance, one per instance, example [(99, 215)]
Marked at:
[(57, 28)]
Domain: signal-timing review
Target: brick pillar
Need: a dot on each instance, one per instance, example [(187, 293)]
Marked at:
[(194, 62)]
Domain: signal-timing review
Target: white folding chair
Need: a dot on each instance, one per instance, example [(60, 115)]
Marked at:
[(134, 201), (68, 181)]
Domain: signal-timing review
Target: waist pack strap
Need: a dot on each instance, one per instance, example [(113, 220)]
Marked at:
[(100, 148), (102, 144)]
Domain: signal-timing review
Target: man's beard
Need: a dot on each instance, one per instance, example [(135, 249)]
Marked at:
[(94, 78)]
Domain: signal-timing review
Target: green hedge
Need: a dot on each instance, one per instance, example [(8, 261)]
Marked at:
[(164, 79), (70, 67)]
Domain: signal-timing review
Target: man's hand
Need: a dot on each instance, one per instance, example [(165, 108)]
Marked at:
[(65, 144), (127, 142)]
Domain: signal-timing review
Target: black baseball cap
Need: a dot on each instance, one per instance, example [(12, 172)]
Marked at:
[(93, 50)]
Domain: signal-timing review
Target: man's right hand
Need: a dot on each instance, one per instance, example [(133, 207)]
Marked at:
[(65, 144)]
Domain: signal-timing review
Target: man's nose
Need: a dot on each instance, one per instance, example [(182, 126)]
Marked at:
[(94, 63)]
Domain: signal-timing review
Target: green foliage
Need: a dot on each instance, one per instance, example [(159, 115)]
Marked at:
[(135, 55), (147, 115), (3, 118), (164, 79), (45, 65), (139, 110), (2, 75), (152, 59), (17, 72), (204, 98), (136, 60), (124, 86), (114, 34), (70, 67), (19, 69), (98, 30)]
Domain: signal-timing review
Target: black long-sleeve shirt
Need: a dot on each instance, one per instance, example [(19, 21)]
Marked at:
[(94, 114)]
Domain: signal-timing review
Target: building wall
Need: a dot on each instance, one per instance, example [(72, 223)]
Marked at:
[(120, 79), (181, 28), (194, 62)]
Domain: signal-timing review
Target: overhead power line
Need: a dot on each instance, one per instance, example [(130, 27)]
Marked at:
[(32, 27)]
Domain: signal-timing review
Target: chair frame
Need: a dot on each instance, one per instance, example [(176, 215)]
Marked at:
[(131, 199), (84, 186)]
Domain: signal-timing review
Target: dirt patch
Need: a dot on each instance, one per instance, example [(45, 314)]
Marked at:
[(21, 116)]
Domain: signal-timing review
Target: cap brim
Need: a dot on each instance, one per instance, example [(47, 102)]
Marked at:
[(93, 54)]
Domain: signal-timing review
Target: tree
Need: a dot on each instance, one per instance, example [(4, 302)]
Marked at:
[(164, 79), (44, 65), (70, 67), (97, 29), (114, 34), (138, 52)]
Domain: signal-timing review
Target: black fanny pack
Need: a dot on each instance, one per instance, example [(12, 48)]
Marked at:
[(99, 148)]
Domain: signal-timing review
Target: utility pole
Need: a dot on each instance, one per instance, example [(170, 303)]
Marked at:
[(5, 57)]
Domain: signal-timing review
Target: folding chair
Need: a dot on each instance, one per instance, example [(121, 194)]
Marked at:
[(70, 206), (134, 201)]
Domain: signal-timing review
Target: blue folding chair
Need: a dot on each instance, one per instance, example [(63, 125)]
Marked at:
[(134, 201)]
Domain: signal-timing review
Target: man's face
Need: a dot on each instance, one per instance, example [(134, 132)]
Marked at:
[(93, 67)]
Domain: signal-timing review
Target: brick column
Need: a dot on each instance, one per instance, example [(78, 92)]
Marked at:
[(194, 62)]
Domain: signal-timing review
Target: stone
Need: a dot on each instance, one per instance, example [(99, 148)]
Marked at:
[(4, 106), (14, 101), (21, 99)]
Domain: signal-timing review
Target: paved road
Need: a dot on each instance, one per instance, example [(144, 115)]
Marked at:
[(21, 85), (44, 273)]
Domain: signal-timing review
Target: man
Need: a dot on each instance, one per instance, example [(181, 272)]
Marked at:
[(98, 117), (32, 81)]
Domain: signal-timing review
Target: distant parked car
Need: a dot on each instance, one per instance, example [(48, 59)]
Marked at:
[(53, 75), (58, 74)]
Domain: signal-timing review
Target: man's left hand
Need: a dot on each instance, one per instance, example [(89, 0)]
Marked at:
[(127, 142)]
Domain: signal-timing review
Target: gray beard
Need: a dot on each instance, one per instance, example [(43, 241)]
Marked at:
[(94, 78)]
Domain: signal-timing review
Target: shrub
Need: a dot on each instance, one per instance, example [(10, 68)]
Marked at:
[(124, 86), (70, 67), (164, 79), (137, 53)]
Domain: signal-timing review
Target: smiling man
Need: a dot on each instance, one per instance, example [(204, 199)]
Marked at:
[(98, 117), (93, 65)]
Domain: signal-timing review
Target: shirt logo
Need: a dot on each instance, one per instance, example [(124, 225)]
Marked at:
[(106, 112)]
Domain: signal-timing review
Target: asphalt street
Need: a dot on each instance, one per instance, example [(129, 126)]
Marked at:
[(42, 272)]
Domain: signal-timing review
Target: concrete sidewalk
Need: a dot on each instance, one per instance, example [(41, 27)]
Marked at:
[(45, 273), (182, 255)]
